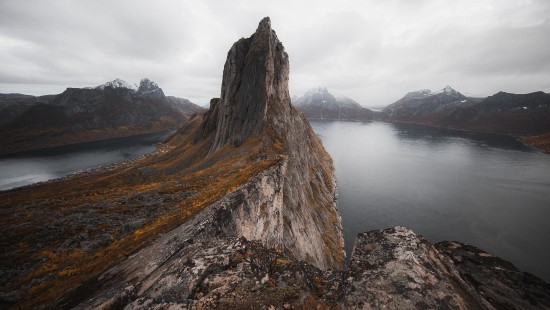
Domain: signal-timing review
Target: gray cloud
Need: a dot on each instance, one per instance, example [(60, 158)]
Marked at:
[(372, 51)]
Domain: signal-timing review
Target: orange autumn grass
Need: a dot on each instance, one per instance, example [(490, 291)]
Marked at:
[(183, 168)]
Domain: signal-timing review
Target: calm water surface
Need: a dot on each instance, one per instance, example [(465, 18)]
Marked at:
[(485, 190), (38, 166)]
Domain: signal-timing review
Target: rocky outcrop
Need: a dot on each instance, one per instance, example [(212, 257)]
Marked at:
[(398, 269), (114, 109), (497, 281), (255, 81), (319, 103), (255, 102), (391, 269)]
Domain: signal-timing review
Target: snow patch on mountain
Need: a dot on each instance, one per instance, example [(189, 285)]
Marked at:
[(118, 83)]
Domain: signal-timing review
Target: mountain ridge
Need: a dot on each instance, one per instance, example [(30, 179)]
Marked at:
[(319, 103), (526, 116), (110, 110)]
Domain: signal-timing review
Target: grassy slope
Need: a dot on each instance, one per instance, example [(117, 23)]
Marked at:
[(160, 191)]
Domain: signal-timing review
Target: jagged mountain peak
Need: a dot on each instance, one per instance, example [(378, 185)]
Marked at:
[(318, 90), (255, 110), (264, 25), (150, 90), (118, 83), (316, 96), (255, 81), (319, 103), (448, 90), (419, 94), (146, 85)]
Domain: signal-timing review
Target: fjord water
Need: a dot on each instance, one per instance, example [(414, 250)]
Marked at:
[(42, 165), (486, 190)]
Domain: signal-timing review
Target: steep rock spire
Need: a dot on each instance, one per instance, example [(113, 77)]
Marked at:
[(255, 102), (255, 76)]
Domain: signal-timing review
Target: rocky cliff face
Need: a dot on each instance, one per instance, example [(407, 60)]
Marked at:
[(255, 82), (319, 103), (255, 102), (114, 109)]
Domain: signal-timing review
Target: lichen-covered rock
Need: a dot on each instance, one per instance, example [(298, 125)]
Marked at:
[(397, 269), (200, 266), (498, 281)]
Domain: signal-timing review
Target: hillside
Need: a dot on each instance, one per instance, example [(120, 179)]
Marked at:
[(237, 210), (523, 115), (114, 109), (319, 103), (269, 179)]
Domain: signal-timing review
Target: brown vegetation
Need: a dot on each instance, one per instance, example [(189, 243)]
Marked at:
[(59, 235), (541, 141)]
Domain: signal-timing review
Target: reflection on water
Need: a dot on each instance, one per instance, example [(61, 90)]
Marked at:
[(486, 190), (42, 165)]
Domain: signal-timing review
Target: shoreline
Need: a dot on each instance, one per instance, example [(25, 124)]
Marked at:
[(99, 169), (518, 137)]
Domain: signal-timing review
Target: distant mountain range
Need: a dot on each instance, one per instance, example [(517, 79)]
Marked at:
[(526, 116), (319, 103), (114, 109)]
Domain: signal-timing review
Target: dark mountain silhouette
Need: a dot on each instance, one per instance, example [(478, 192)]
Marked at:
[(114, 109), (524, 115)]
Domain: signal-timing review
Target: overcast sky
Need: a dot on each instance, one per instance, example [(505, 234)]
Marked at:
[(371, 51)]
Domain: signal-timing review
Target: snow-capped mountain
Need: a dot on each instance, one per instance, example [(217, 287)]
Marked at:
[(520, 114), (118, 83), (424, 101), (319, 103), (147, 86), (113, 109), (319, 96), (150, 89), (447, 91)]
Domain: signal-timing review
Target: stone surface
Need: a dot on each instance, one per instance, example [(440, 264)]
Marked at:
[(389, 269), (397, 269), (203, 264), (255, 102), (498, 281)]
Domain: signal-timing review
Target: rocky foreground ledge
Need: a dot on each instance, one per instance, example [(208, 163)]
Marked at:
[(389, 269)]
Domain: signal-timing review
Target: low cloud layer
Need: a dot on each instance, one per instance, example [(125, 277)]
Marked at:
[(372, 51)]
